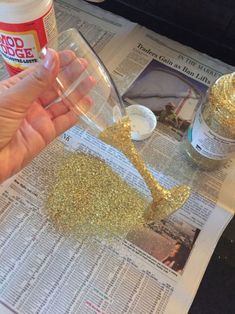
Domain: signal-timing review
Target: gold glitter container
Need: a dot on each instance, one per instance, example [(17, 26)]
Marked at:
[(211, 138)]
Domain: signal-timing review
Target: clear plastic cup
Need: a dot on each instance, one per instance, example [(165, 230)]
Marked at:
[(74, 79)]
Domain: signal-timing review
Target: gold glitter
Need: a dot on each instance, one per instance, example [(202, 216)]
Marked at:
[(165, 202), (218, 112), (89, 199)]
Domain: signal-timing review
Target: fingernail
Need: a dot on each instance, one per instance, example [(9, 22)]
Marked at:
[(92, 80), (48, 61), (84, 62)]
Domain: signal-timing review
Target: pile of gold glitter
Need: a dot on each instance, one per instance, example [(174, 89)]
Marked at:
[(88, 198)]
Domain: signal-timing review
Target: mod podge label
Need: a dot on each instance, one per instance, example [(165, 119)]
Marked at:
[(19, 51), (20, 44)]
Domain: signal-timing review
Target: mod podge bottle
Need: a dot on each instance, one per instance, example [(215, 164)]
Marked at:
[(25, 27)]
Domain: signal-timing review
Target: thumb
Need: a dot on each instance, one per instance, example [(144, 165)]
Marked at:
[(20, 96)]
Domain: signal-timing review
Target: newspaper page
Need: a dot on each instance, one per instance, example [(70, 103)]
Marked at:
[(44, 272), (101, 29), (157, 270), (172, 80)]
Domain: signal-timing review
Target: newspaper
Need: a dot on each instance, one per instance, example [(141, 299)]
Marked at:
[(42, 271)]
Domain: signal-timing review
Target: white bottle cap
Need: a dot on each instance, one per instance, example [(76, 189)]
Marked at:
[(143, 122)]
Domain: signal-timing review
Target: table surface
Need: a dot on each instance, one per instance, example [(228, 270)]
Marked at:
[(216, 294), (206, 25)]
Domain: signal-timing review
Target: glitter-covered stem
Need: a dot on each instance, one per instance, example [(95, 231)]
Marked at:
[(164, 201)]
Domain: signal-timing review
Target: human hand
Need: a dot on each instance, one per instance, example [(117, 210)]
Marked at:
[(26, 124)]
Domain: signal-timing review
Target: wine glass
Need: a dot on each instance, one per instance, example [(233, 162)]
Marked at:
[(106, 111)]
